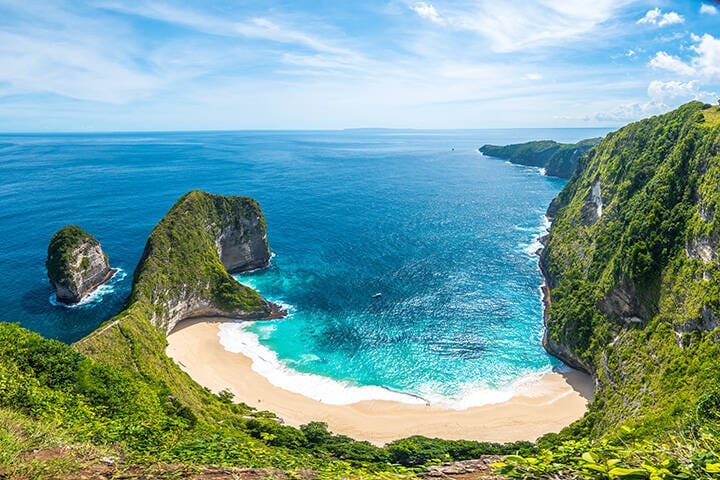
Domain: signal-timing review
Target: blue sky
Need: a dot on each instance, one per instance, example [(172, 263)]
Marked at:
[(280, 64)]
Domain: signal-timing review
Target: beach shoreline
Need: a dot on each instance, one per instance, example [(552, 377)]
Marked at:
[(547, 405)]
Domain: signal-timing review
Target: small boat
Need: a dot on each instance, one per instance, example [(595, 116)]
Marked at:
[(377, 295)]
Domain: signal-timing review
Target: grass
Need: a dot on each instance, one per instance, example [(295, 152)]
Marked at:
[(712, 116)]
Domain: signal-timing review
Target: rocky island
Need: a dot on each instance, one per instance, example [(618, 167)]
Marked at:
[(558, 159), (76, 264)]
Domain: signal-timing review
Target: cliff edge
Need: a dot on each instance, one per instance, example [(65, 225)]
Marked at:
[(184, 272), (631, 269), (76, 264)]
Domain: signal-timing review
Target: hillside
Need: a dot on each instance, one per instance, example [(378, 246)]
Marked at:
[(115, 403), (633, 297), (558, 159), (632, 269)]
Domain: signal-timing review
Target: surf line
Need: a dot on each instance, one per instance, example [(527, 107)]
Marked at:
[(413, 395)]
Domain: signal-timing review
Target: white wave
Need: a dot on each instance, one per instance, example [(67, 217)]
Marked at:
[(543, 172), (477, 395), (235, 337), (534, 245), (96, 295), (251, 283)]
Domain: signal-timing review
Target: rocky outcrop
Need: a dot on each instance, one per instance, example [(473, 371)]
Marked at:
[(704, 248), (76, 264), (622, 302), (185, 269), (591, 210)]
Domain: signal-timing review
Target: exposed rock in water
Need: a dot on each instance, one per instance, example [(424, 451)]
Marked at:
[(76, 264)]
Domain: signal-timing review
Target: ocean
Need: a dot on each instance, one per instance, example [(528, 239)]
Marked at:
[(445, 235)]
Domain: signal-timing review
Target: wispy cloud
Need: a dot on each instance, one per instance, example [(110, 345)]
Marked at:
[(515, 26), (253, 27), (708, 9), (427, 11), (657, 17), (71, 55)]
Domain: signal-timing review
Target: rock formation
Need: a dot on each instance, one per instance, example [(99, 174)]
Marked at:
[(185, 268), (76, 264)]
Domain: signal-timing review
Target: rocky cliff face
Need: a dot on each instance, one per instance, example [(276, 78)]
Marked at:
[(632, 267), (185, 268), (76, 264)]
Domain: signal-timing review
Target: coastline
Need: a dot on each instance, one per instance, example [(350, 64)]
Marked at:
[(546, 405)]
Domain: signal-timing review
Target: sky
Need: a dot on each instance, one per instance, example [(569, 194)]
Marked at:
[(111, 65)]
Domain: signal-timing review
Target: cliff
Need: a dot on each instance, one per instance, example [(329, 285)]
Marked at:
[(76, 264), (632, 272), (184, 273), (558, 159), (185, 267)]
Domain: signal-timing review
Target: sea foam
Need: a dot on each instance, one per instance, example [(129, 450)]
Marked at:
[(235, 337), (96, 295), (534, 245)]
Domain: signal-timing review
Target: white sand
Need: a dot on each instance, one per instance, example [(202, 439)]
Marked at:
[(552, 402)]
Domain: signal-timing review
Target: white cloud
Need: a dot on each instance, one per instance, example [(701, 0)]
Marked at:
[(669, 62), (664, 91), (656, 17), (513, 26), (705, 64), (708, 9), (629, 112), (533, 76), (427, 11), (257, 27)]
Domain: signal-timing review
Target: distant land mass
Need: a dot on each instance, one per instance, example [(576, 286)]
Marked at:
[(558, 159)]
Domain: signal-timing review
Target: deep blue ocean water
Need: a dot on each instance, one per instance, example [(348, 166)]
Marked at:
[(445, 235)]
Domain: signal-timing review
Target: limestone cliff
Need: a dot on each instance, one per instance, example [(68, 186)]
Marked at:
[(185, 268), (632, 270), (76, 264)]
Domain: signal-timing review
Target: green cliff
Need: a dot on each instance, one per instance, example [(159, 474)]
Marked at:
[(631, 265), (558, 159), (184, 270), (76, 264), (633, 297)]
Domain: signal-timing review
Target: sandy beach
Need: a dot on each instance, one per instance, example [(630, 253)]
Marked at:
[(547, 405)]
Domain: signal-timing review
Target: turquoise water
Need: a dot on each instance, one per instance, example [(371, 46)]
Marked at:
[(445, 235)]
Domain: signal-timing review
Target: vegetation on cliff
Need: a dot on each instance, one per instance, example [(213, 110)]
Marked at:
[(558, 159), (634, 278)]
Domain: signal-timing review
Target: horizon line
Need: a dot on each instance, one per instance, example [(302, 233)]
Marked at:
[(280, 130)]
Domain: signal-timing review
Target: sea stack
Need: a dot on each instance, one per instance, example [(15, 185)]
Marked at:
[(76, 264)]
